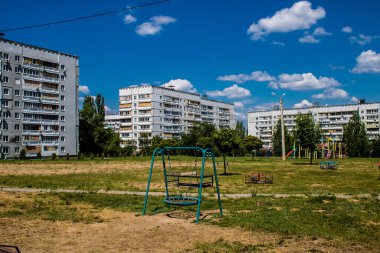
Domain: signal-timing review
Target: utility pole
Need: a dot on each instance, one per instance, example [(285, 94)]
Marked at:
[(282, 126)]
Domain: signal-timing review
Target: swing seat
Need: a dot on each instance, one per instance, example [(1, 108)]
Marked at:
[(208, 180), (181, 200)]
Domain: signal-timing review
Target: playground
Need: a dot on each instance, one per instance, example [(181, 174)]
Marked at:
[(280, 216)]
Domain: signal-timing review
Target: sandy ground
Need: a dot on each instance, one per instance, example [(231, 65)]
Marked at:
[(126, 232)]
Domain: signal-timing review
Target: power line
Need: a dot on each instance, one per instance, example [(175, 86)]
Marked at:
[(84, 17)]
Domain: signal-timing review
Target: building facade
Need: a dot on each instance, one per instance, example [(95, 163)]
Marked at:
[(39, 100), (331, 119), (165, 112)]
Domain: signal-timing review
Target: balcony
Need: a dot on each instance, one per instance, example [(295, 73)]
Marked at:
[(49, 101), (32, 77), (33, 66), (31, 99), (39, 110), (50, 133), (50, 79), (49, 90), (51, 70), (31, 132)]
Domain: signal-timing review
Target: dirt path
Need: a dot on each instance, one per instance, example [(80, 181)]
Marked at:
[(125, 232)]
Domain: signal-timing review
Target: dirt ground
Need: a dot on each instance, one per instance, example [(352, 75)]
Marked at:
[(127, 232)]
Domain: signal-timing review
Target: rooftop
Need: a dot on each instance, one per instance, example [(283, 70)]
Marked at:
[(36, 47)]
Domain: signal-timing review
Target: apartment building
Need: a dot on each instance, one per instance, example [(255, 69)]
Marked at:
[(165, 112), (39, 100), (331, 118)]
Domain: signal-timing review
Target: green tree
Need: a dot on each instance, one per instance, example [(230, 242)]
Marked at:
[(129, 148), (169, 143), (112, 144), (144, 143), (205, 142), (155, 143), (240, 130), (355, 137), (375, 147), (252, 143), (307, 132), (226, 140), (277, 139)]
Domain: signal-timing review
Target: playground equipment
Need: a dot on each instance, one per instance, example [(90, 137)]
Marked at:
[(328, 165), (257, 179), (176, 178)]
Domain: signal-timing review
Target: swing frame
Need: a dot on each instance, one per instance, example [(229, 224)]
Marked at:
[(184, 200)]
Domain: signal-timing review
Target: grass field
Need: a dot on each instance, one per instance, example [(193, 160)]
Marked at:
[(352, 222)]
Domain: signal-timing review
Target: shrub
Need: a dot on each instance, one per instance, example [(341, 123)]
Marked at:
[(22, 154), (67, 156), (53, 156), (39, 156)]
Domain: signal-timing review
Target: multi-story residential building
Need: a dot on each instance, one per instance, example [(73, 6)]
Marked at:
[(165, 112), (331, 118), (39, 100)]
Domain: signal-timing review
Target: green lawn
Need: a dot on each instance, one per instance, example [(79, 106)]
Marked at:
[(354, 176)]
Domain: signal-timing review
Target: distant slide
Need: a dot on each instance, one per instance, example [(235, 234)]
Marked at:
[(290, 152), (328, 156)]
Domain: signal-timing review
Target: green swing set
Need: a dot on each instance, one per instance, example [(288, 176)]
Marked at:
[(195, 179)]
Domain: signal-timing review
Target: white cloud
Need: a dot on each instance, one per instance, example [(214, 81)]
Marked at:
[(264, 106), (354, 100), (305, 81), (181, 84), (239, 105), (331, 93), (303, 104), (81, 99), (233, 91), (84, 89), (107, 109), (308, 39), (128, 19), (333, 67), (320, 31), (154, 26), (347, 29), (278, 43), (240, 116), (367, 62), (298, 17), (259, 76), (362, 39)]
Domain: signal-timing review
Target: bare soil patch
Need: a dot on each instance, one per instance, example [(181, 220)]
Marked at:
[(126, 232)]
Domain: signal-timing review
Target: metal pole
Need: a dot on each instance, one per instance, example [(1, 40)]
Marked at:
[(282, 129)]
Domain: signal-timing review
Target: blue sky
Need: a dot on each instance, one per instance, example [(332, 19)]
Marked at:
[(233, 50)]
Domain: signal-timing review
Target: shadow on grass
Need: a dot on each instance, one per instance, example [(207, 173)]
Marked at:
[(229, 174)]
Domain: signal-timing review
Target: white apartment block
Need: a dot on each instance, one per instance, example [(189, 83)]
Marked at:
[(331, 118), (165, 112), (39, 100)]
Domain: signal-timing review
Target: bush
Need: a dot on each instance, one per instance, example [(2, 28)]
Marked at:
[(39, 156), (22, 154), (92, 156), (79, 156), (67, 156), (53, 156)]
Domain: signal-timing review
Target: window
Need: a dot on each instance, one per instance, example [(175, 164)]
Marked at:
[(17, 81), (62, 87), (5, 79), (17, 115), (62, 77), (62, 138), (62, 98), (6, 91), (17, 138), (5, 103), (62, 67), (62, 128), (62, 118), (6, 150), (5, 138), (6, 56), (17, 58), (62, 108), (17, 150), (17, 127), (18, 69), (7, 68), (17, 103), (62, 149), (17, 92), (5, 125)]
